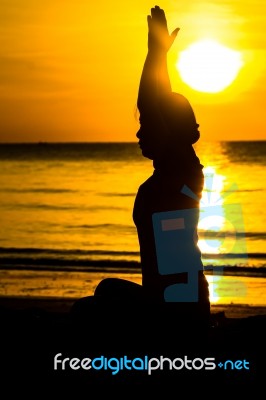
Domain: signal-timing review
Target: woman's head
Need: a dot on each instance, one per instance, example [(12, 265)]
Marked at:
[(167, 127)]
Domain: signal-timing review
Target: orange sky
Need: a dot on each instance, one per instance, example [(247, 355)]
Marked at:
[(70, 69)]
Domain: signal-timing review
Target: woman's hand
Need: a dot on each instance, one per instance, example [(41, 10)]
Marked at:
[(159, 39)]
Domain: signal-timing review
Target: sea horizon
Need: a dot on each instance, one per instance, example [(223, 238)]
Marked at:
[(117, 141)]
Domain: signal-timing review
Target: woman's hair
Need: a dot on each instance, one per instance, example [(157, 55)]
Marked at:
[(179, 119), (174, 118)]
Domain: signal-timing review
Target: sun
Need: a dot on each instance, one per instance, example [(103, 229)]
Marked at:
[(207, 66)]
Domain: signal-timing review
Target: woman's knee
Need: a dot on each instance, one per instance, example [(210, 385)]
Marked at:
[(105, 287)]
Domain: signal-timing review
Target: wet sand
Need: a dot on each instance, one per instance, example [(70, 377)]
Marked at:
[(55, 291)]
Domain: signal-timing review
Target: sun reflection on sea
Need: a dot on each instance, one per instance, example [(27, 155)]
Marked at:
[(221, 234), (214, 288), (211, 223), (212, 215)]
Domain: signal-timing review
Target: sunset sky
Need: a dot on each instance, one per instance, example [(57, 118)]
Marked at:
[(70, 69)]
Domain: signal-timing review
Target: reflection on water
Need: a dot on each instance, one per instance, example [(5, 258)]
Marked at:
[(211, 212), (75, 201), (79, 198), (221, 231), (221, 223)]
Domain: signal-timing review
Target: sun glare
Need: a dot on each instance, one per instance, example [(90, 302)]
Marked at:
[(208, 66)]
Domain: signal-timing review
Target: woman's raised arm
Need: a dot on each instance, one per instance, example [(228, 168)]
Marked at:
[(155, 83)]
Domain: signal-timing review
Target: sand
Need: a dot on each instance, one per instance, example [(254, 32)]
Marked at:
[(37, 324), (55, 291), (58, 305)]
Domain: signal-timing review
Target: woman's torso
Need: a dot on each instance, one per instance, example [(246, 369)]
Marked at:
[(163, 193)]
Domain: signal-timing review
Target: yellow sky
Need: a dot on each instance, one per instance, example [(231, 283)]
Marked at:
[(70, 69)]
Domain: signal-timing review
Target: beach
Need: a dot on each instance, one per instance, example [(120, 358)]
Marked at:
[(38, 325), (36, 330), (56, 291)]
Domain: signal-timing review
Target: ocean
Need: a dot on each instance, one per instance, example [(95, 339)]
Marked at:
[(68, 206)]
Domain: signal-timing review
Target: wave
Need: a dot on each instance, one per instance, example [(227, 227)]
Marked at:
[(233, 191), (114, 227), (223, 234), (99, 260), (245, 152), (103, 194), (53, 207), (117, 194), (70, 151), (78, 252), (36, 190), (88, 265), (74, 252)]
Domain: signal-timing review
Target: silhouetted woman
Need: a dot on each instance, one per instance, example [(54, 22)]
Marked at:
[(168, 130)]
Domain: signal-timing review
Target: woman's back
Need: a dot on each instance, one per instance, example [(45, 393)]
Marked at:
[(162, 192)]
